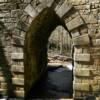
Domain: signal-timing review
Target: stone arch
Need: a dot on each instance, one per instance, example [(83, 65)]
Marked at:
[(82, 54), (78, 22), (36, 41)]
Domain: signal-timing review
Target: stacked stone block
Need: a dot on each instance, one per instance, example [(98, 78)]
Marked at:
[(5, 45), (86, 70), (17, 67), (83, 22), (81, 40), (86, 52), (11, 74)]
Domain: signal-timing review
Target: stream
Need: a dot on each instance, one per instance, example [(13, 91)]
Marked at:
[(57, 84)]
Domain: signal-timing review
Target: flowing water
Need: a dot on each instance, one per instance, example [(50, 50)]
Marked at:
[(57, 84)]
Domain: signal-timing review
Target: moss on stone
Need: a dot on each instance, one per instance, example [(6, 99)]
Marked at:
[(35, 48)]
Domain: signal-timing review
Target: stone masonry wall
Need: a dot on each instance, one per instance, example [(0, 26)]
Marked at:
[(83, 22), (10, 11), (87, 50)]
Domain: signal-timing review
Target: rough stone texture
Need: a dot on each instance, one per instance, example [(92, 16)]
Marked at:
[(35, 47), (19, 93), (75, 33), (16, 55), (82, 72), (16, 68), (81, 86), (81, 40), (11, 11), (77, 22), (62, 11), (87, 72), (18, 81), (96, 42), (92, 66), (82, 57), (30, 11)]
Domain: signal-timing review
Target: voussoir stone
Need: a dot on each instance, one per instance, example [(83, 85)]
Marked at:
[(81, 40), (65, 7), (75, 23)]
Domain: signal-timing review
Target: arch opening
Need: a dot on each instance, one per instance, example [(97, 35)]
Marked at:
[(35, 48), (59, 83)]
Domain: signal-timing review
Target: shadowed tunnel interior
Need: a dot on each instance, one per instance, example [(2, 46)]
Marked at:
[(35, 49)]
